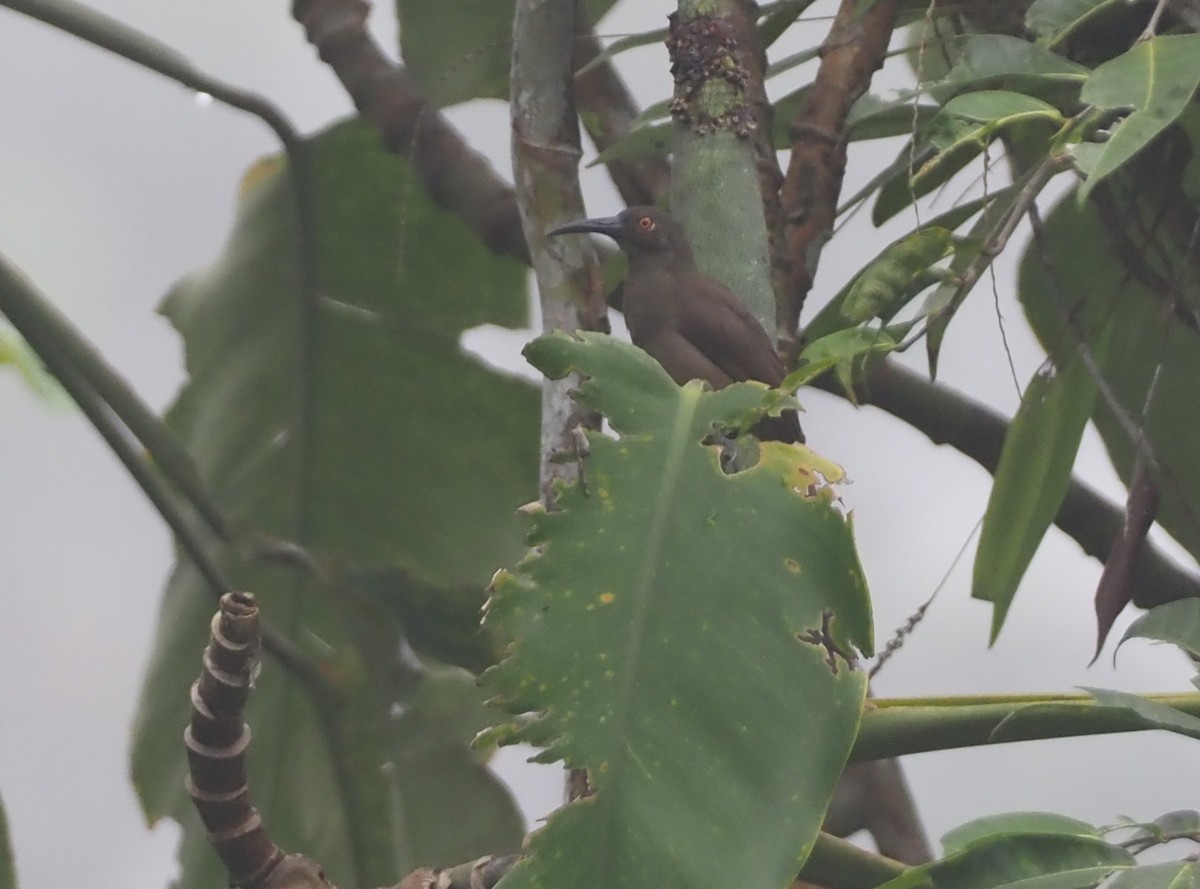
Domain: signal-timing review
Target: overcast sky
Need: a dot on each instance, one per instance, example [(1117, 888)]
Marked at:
[(116, 182)]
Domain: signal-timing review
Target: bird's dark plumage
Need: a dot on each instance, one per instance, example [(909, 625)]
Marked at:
[(694, 326)]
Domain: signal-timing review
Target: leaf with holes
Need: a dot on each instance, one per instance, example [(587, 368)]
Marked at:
[(685, 635)]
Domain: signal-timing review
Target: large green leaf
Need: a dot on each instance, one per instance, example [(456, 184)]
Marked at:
[(1033, 475), (972, 832), (1157, 78), (463, 49), (1151, 356), (683, 634), (354, 425)]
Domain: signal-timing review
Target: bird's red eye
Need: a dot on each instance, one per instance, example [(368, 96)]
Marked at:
[(646, 224)]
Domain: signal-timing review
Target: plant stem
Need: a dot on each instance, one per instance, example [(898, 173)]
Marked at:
[(919, 725)]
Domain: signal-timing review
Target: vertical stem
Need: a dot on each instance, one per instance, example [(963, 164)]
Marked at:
[(546, 152)]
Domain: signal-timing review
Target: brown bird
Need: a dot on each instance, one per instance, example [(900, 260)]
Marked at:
[(695, 327)]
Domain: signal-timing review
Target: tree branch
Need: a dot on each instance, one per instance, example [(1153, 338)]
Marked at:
[(546, 152), (850, 55), (900, 727), (457, 177), (18, 302)]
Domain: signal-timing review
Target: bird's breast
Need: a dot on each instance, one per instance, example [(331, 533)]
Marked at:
[(651, 304)]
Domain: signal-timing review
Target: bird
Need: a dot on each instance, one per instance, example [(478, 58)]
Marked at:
[(693, 325)]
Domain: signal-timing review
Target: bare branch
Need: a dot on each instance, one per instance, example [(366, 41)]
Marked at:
[(456, 176), (851, 54)]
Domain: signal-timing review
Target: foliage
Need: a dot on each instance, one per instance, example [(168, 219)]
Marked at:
[(340, 400), (727, 599), (687, 624)]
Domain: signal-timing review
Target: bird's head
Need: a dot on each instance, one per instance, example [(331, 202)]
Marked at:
[(639, 231)]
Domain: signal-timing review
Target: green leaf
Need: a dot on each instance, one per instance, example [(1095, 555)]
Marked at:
[(677, 630), (1001, 60), (1175, 622), (1041, 860), (1182, 823), (620, 45), (840, 348), (777, 18), (354, 426), (1156, 78), (1053, 20), (1033, 475), (967, 123), (1150, 351), (1014, 823), (648, 140), (8, 869), (899, 273), (1165, 875), (874, 118), (833, 317), (1151, 713), (463, 50), (957, 134)]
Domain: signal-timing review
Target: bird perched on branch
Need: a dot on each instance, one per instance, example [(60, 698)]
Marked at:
[(694, 326)]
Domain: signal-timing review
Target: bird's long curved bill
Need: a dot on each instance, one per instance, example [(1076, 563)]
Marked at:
[(604, 225)]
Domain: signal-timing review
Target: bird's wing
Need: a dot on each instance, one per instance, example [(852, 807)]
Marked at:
[(683, 360), (719, 326)]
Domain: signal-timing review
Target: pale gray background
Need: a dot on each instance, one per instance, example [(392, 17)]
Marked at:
[(114, 182)]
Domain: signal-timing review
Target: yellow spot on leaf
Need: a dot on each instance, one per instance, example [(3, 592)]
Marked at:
[(607, 598)]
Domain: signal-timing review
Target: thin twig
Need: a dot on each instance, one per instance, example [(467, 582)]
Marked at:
[(52, 334), (1152, 25), (107, 33), (996, 240), (850, 55), (117, 437)]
